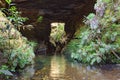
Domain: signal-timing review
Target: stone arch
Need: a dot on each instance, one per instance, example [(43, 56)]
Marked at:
[(71, 12)]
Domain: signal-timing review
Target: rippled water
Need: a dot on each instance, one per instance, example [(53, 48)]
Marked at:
[(58, 68)]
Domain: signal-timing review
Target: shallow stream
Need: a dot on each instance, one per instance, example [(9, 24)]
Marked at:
[(58, 68)]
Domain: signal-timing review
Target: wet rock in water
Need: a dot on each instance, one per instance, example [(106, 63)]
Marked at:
[(41, 48)]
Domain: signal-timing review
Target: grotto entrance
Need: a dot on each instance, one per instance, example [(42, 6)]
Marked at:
[(70, 12)]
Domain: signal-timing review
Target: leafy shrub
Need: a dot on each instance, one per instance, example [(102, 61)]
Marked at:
[(100, 42), (16, 48), (4, 71), (19, 57), (13, 15)]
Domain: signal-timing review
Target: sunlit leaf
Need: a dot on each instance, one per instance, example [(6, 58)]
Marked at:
[(6, 72)]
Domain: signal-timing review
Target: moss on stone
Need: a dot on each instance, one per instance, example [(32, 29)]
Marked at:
[(17, 49)]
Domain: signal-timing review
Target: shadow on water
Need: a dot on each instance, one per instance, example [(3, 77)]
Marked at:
[(58, 68)]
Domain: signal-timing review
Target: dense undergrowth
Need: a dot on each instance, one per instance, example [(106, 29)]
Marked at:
[(98, 42), (15, 50)]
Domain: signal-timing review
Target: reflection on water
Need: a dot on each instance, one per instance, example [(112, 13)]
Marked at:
[(58, 68), (27, 73)]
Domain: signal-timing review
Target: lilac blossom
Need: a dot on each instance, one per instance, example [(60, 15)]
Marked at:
[(100, 8), (94, 23)]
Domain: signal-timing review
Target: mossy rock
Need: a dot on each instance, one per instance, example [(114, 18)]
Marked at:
[(14, 46)]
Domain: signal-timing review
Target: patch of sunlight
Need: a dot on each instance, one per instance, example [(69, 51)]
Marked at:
[(58, 67), (57, 32)]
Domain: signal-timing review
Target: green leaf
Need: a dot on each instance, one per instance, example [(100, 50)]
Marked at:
[(8, 1), (93, 61), (6, 72), (102, 50), (13, 8), (40, 18), (90, 16), (98, 59), (106, 1)]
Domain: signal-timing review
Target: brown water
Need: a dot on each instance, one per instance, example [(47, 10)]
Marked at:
[(58, 68)]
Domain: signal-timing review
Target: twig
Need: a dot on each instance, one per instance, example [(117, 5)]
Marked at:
[(115, 54)]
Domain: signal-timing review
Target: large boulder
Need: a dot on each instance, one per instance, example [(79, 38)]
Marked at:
[(17, 49)]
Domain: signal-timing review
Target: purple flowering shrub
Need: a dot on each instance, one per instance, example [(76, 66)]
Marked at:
[(99, 41)]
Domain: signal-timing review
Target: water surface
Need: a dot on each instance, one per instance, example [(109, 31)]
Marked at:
[(58, 68)]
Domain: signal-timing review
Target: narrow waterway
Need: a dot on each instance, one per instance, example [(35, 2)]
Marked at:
[(58, 68)]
